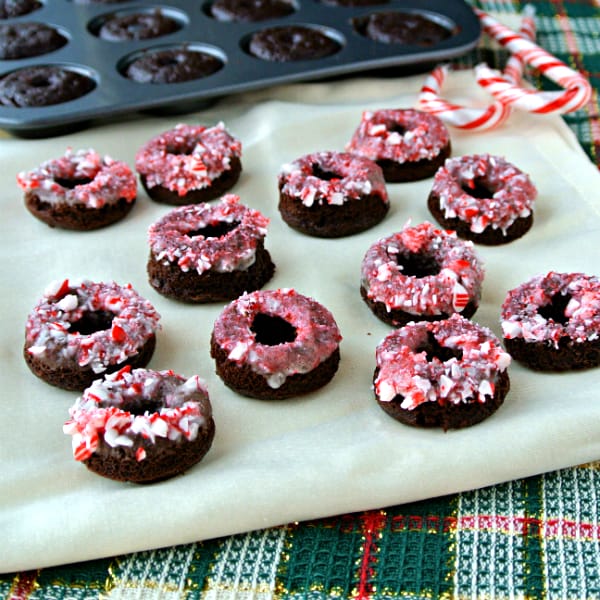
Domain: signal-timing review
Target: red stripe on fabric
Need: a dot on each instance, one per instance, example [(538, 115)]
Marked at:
[(372, 524), (23, 585), (548, 528)]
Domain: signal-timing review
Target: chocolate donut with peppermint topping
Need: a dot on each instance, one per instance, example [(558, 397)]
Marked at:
[(421, 272), (204, 253), (275, 344), (449, 374), (332, 194), (407, 144), (484, 198), (141, 425), (81, 329), (80, 190), (552, 322), (189, 164)]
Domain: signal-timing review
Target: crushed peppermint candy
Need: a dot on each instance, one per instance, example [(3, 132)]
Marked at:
[(457, 282), (137, 404), (177, 237), (81, 177), (511, 192), (128, 322), (332, 178), (400, 135), (577, 316), (316, 334), (405, 369), (187, 157)]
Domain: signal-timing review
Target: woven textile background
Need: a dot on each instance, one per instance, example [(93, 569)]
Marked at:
[(537, 538)]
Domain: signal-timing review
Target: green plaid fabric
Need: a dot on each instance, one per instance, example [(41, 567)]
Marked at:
[(535, 538)]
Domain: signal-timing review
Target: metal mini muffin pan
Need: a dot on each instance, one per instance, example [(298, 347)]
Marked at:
[(114, 95)]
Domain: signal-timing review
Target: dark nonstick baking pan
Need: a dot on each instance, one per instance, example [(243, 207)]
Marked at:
[(111, 93)]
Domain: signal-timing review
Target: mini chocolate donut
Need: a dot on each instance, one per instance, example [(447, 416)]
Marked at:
[(173, 65), (396, 27), (43, 86), (18, 8), (251, 10), (552, 322), (22, 40), (449, 374), (275, 344), (421, 273), (79, 190), (141, 425), (287, 43), (332, 194), (81, 329), (204, 253), (189, 164), (483, 198), (407, 144), (137, 26)]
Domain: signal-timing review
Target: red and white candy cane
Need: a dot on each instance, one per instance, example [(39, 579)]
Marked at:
[(577, 90), (475, 119)]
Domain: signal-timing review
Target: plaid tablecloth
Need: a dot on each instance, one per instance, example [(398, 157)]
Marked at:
[(533, 538)]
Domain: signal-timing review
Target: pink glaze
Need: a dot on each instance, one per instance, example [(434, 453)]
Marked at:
[(458, 281), (47, 334), (103, 412), (406, 371), (187, 157), (377, 137), (317, 334), (236, 250), (513, 192), (111, 180), (355, 177), (520, 317)]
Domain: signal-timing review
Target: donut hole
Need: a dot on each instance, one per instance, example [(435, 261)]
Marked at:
[(214, 230), (72, 183), (433, 349), (394, 127), (323, 174), (92, 321), (555, 311), (183, 147), (418, 265), (271, 330), (477, 188), (139, 406)]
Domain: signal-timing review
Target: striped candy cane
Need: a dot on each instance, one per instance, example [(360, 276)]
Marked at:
[(475, 119), (577, 90), (462, 117)]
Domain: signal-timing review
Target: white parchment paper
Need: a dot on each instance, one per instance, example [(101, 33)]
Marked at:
[(333, 451)]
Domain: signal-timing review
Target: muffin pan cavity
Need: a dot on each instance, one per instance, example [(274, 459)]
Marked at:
[(137, 24), (107, 41)]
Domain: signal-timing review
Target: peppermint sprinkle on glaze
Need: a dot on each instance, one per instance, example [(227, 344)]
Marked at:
[(404, 369), (96, 181), (511, 192), (459, 278), (114, 409), (331, 178), (577, 292), (401, 135), (187, 157), (49, 329), (173, 240)]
